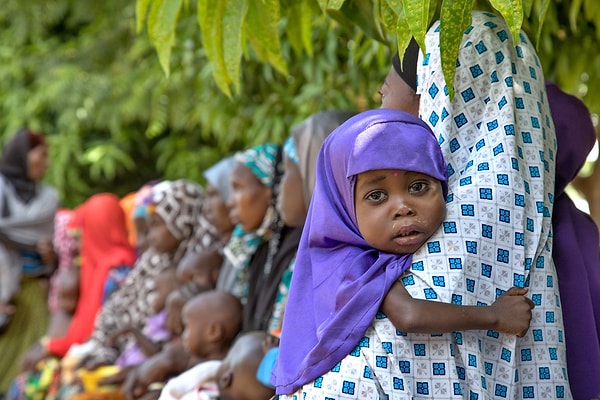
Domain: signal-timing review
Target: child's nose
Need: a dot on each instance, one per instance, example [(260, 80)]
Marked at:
[(402, 207)]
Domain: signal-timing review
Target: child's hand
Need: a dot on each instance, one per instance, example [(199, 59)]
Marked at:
[(111, 340), (513, 312)]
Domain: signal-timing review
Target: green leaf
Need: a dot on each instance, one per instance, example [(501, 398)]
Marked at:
[(527, 6), (574, 10), (161, 29), (455, 18), (512, 11), (361, 14), (335, 4), (261, 29), (388, 16), (542, 16), (299, 26), (417, 17), (233, 20), (396, 5), (141, 10), (403, 32), (293, 27), (210, 16)]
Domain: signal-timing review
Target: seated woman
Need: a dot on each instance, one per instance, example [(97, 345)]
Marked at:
[(261, 247), (99, 225), (176, 227), (27, 209)]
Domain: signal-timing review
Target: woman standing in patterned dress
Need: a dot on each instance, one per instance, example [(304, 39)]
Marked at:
[(499, 143)]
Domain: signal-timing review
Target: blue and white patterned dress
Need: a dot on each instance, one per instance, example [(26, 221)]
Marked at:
[(498, 140)]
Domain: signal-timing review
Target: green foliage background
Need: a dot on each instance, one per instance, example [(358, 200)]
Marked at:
[(87, 74)]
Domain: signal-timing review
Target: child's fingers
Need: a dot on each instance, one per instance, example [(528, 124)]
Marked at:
[(516, 291)]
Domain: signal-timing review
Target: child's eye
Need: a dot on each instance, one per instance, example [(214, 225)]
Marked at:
[(418, 187), (376, 196)]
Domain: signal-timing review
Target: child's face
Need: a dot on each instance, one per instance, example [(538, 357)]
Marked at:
[(249, 198), (291, 203), (193, 333), (159, 236), (396, 210), (236, 377), (202, 268), (217, 211)]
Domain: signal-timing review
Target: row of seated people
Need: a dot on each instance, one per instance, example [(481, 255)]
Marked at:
[(209, 267), (140, 326)]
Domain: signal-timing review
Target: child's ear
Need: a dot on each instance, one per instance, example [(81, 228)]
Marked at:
[(215, 331)]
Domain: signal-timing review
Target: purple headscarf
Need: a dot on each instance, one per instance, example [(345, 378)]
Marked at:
[(576, 251), (339, 281)]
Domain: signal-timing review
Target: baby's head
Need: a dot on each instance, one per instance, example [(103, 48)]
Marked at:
[(236, 376), (211, 321), (201, 268), (386, 170), (67, 289)]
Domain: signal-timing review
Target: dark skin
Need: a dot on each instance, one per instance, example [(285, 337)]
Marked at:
[(171, 361), (67, 285), (236, 377), (510, 313), (207, 336), (202, 268), (392, 201), (148, 346)]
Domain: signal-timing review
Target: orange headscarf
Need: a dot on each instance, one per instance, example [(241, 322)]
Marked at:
[(104, 244)]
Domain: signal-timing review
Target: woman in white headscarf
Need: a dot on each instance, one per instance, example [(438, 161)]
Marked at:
[(498, 139)]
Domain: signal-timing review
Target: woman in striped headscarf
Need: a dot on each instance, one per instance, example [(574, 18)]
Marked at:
[(255, 188)]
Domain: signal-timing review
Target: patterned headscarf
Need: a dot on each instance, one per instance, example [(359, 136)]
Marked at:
[(180, 204), (289, 149), (339, 280), (263, 162), (498, 139), (142, 200)]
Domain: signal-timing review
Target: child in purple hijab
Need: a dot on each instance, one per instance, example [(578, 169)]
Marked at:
[(379, 195)]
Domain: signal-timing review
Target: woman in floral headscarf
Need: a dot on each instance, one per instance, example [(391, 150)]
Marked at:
[(179, 204)]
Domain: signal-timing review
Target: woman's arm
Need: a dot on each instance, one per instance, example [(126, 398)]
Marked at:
[(510, 313)]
